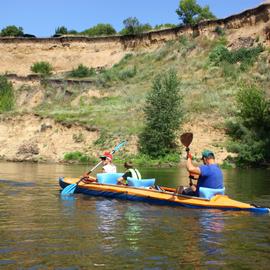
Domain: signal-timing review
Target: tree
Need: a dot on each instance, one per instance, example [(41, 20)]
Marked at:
[(250, 132), (163, 116), (191, 13), (12, 31), (61, 30), (100, 29), (132, 26)]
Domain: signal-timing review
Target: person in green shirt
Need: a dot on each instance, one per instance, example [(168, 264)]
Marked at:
[(130, 172)]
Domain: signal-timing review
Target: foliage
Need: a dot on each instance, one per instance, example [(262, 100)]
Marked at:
[(191, 13), (220, 31), (79, 157), (12, 31), (250, 132), (146, 160), (127, 73), (132, 26), (164, 26), (82, 71), (42, 68), (61, 30), (100, 29), (6, 95), (163, 113), (245, 56)]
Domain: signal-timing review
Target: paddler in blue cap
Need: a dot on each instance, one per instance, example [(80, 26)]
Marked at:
[(209, 174)]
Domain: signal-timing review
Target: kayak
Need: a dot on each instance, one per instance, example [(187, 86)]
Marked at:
[(159, 195)]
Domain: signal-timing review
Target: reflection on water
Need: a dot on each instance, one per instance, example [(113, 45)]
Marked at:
[(41, 230)]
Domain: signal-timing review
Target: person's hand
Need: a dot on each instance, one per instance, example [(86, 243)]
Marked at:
[(189, 155), (85, 175)]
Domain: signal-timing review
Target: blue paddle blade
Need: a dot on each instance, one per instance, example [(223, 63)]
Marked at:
[(70, 189), (119, 146)]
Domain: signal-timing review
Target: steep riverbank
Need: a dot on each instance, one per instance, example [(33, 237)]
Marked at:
[(58, 115)]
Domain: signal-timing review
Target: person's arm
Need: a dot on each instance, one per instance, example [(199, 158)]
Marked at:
[(120, 179), (124, 177), (191, 168)]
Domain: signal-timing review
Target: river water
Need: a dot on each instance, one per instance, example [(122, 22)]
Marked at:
[(40, 230)]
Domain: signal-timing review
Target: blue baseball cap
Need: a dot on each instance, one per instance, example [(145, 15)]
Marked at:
[(207, 154)]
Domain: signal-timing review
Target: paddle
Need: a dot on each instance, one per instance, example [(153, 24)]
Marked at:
[(71, 188), (186, 140)]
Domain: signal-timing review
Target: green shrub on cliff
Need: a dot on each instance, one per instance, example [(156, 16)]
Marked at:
[(100, 29), (7, 98), (12, 30), (132, 26), (245, 56), (42, 68), (82, 71)]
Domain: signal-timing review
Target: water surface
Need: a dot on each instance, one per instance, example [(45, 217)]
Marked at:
[(40, 230)]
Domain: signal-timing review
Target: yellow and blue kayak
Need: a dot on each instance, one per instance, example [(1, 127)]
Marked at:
[(159, 195)]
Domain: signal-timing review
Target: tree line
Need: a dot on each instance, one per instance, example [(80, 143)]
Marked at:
[(188, 11)]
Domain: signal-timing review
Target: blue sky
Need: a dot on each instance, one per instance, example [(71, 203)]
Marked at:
[(41, 18)]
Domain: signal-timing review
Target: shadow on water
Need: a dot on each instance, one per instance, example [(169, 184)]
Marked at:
[(16, 183)]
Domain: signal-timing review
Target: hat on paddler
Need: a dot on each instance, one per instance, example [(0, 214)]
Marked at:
[(107, 155), (207, 154)]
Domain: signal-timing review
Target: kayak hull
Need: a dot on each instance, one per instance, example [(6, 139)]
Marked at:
[(165, 196)]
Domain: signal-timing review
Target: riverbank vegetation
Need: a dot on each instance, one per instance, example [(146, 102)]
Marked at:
[(7, 98), (117, 105), (250, 128), (213, 81)]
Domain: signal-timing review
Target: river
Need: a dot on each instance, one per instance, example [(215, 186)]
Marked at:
[(40, 230)]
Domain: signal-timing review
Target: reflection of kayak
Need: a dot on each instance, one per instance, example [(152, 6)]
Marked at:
[(162, 196)]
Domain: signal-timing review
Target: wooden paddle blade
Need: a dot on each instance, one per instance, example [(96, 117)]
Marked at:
[(186, 139)]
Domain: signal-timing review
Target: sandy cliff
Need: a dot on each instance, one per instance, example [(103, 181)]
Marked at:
[(30, 137), (64, 53)]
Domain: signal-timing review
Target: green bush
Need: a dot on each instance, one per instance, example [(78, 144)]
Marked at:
[(77, 156), (12, 30), (164, 26), (250, 132), (132, 26), (143, 160), (163, 116), (61, 30), (220, 31), (7, 99), (82, 71), (127, 73), (245, 56), (100, 29), (42, 68)]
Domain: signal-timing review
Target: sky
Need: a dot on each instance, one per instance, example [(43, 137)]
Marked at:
[(41, 18)]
